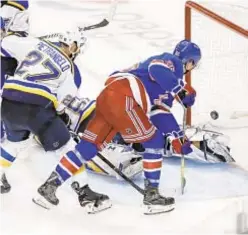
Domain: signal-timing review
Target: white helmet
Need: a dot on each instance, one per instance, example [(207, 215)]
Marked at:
[(77, 36)]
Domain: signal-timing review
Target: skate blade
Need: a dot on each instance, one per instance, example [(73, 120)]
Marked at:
[(92, 209), (42, 202), (157, 209)]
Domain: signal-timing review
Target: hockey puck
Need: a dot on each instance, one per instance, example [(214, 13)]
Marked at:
[(214, 115)]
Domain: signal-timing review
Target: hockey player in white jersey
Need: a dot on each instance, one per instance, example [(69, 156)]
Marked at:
[(14, 23), (15, 15), (31, 105)]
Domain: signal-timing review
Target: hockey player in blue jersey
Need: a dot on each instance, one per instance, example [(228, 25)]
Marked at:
[(125, 105)]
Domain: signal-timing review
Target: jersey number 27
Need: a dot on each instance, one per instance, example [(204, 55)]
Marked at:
[(33, 58)]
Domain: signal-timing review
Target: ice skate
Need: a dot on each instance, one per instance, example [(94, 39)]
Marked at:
[(93, 202), (154, 203), (47, 193), (5, 186)]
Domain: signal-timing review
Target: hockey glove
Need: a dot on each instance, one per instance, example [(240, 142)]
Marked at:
[(65, 118), (181, 147), (179, 143), (187, 96)]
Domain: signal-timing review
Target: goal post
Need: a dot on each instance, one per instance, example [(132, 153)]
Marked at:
[(192, 7)]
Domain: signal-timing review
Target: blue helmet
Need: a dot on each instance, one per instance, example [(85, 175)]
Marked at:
[(188, 51)]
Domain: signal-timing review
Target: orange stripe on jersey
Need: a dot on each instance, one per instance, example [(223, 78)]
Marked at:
[(152, 165), (68, 165)]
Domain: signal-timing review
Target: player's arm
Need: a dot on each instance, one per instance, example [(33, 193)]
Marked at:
[(186, 96), (171, 130), (161, 72), (15, 46)]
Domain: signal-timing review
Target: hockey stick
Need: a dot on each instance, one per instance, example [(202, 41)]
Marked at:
[(183, 179), (127, 179), (114, 168), (101, 24), (105, 21)]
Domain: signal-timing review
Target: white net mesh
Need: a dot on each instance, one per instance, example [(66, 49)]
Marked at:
[(221, 80)]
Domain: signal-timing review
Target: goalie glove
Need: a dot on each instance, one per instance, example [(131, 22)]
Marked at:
[(187, 96)]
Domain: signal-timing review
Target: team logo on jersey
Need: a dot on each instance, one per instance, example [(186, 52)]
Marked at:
[(129, 131), (56, 144)]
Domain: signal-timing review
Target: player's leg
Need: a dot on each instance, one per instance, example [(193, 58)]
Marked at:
[(68, 167), (16, 141), (136, 127), (128, 118)]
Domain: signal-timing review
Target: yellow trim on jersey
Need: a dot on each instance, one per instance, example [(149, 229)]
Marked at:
[(5, 163), (17, 5), (95, 168), (63, 53), (35, 91), (87, 112)]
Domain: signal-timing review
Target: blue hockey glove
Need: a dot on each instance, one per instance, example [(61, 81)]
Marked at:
[(181, 147), (187, 96)]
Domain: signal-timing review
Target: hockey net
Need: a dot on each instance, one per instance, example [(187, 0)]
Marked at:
[(221, 81)]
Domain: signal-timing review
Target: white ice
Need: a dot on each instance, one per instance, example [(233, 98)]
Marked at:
[(215, 193)]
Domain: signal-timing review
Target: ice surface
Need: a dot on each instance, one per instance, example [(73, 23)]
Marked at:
[(214, 195)]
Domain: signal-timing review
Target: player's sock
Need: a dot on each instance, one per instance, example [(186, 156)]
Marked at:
[(6, 159), (152, 164), (68, 166)]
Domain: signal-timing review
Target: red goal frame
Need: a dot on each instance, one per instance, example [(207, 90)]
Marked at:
[(189, 6)]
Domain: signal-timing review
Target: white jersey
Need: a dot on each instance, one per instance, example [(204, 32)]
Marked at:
[(16, 46), (78, 109), (15, 16), (39, 76)]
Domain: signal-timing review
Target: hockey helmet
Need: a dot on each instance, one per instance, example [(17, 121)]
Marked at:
[(77, 36), (188, 51)]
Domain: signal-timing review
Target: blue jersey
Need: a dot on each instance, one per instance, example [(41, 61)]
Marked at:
[(160, 75)]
